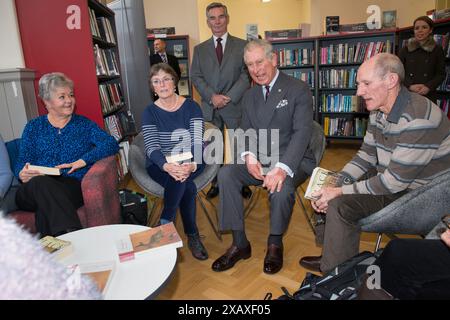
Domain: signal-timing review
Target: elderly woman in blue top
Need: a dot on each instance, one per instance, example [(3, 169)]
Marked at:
[(63, 140), (174, 125)]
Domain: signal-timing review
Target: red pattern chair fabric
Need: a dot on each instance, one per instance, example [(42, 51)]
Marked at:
[(100, 195)]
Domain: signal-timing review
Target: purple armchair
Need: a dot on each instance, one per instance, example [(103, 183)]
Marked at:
[(100, 194)]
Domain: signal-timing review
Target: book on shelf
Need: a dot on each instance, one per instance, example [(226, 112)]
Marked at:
[(332, 25), (183, 69), (353, 28), (101, 273), (322, 178), (59, 249), (155, 239), (389, 19), (161, 32), (50, 171), (283, 34), (178, 50), (183, 87), (184, 157)]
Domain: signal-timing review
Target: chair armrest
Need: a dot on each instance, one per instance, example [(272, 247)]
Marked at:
[(101, 194)]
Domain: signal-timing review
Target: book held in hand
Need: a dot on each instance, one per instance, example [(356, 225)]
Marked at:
[(184, 157), (321, 178), (46, 170), (155, 239), (58, 248)]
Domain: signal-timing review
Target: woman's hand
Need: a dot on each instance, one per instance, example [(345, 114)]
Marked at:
[(175, 170), (26, 174), (420, 89), (74, 165)]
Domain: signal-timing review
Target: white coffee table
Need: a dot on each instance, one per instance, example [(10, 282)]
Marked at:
[(137, 279)]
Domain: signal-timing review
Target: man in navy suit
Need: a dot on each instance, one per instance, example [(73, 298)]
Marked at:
[(161, 55), (278, 110)]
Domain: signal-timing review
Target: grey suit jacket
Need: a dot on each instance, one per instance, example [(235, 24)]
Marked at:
[(288, 109), (229, 78)]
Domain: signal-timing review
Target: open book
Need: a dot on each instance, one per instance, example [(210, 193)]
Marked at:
[(322, 178), (158, 238)]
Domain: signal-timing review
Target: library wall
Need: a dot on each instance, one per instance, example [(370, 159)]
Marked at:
[(11, 55), (275, 15), (350, 11)]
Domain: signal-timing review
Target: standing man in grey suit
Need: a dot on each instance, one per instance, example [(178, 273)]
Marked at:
[(219, 75), (280, 106)]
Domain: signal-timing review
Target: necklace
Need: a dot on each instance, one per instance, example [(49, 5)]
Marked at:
[(171, 108)]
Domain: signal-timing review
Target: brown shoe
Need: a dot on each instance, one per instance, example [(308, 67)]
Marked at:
[(229, 259), (311, 263), (273, 262)]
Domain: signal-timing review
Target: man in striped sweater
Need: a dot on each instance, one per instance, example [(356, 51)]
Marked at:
[(407, 144)]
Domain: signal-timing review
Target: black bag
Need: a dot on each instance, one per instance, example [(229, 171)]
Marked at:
[(133, 207), (341, 283)]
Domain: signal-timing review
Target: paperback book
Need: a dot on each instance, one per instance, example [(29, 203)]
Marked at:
[(59, 249), (50, 171), (321, 178)]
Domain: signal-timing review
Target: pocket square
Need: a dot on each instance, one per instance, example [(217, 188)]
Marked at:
[(282, 104)]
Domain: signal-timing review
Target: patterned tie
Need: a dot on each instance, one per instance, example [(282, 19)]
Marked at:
[(267, 93), (219, 50), (164, 58)]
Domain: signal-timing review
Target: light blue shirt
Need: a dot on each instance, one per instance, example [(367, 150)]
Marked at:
[(6, 175)]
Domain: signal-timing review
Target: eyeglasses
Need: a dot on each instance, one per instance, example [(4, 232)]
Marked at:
[(158, 82)]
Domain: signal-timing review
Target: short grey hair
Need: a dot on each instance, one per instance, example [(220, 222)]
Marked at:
[(389, 63), (50, 81), (260, 43), (216, 5)]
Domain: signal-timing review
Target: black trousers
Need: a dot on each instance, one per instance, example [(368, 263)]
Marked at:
[(416, 269), (54, 200)]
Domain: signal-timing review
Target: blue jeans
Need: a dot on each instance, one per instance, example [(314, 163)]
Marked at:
[(178, 195)]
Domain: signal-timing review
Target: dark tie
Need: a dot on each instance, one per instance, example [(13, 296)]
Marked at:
[(164, 58), (267, 92), (219, 50)]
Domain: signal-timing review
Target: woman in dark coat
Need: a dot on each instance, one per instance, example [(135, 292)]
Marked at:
[(423, 60)]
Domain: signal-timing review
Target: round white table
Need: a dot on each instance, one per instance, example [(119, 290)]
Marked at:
[(138, 279)]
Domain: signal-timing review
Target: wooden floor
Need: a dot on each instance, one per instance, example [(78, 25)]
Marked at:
[(194, 279)]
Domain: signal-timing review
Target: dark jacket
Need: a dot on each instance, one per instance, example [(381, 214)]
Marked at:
[(172, 61), (424, 64)]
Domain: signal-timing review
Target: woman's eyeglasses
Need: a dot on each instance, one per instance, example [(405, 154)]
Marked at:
[(158, 82)]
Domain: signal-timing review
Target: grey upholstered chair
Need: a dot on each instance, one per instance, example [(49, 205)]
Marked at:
[(417, 212), (140, 175)]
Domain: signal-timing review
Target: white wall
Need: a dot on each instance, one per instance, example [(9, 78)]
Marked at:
[(11, 55)]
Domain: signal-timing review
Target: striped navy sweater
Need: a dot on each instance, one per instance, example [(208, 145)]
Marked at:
[(166, 133), (408, 148)]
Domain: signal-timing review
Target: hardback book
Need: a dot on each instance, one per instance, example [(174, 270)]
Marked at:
[(184, 157), (183, 69), (59, 249), (321, 178), (101, 273), (389, 19), (332, 25), (46, 170), (178, 50), (183, 87), (155, 239)]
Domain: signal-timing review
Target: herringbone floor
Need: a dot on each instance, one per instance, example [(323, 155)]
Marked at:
[(194, 279)]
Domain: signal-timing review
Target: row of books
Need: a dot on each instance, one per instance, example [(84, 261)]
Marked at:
[(295, 57), (111, 97), (306, 76), (341, 103), (122, 159), (444, 105), (337, 78), (101, 27), (344, 127), (106, 62), (445, 85), (353, 53), (120, 125)]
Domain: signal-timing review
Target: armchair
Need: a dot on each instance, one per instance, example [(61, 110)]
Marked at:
[(100, 194)]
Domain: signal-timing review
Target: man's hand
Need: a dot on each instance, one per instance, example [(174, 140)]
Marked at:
[(253, 167), (74, 165), (445, 236), (26, 174), (219, 100), (274, 180), (324, 196)]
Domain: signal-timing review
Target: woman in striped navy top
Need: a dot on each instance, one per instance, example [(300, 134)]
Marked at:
[(174, 125)]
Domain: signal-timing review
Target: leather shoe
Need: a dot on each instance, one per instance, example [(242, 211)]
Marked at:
[(213, 192), (229, 259), (273, 262), (311, 263), (246, 192)]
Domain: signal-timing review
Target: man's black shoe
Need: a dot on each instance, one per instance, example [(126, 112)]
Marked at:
[(229, 259), (246, 192), (213, 192)]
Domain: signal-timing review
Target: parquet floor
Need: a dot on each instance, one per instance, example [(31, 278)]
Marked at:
[(194, 279)]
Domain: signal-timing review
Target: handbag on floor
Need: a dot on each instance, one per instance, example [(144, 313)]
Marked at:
[(133, 207)]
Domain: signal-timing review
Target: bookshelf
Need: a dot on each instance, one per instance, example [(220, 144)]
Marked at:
[(441, 33), (78, 38), (178, 46)]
